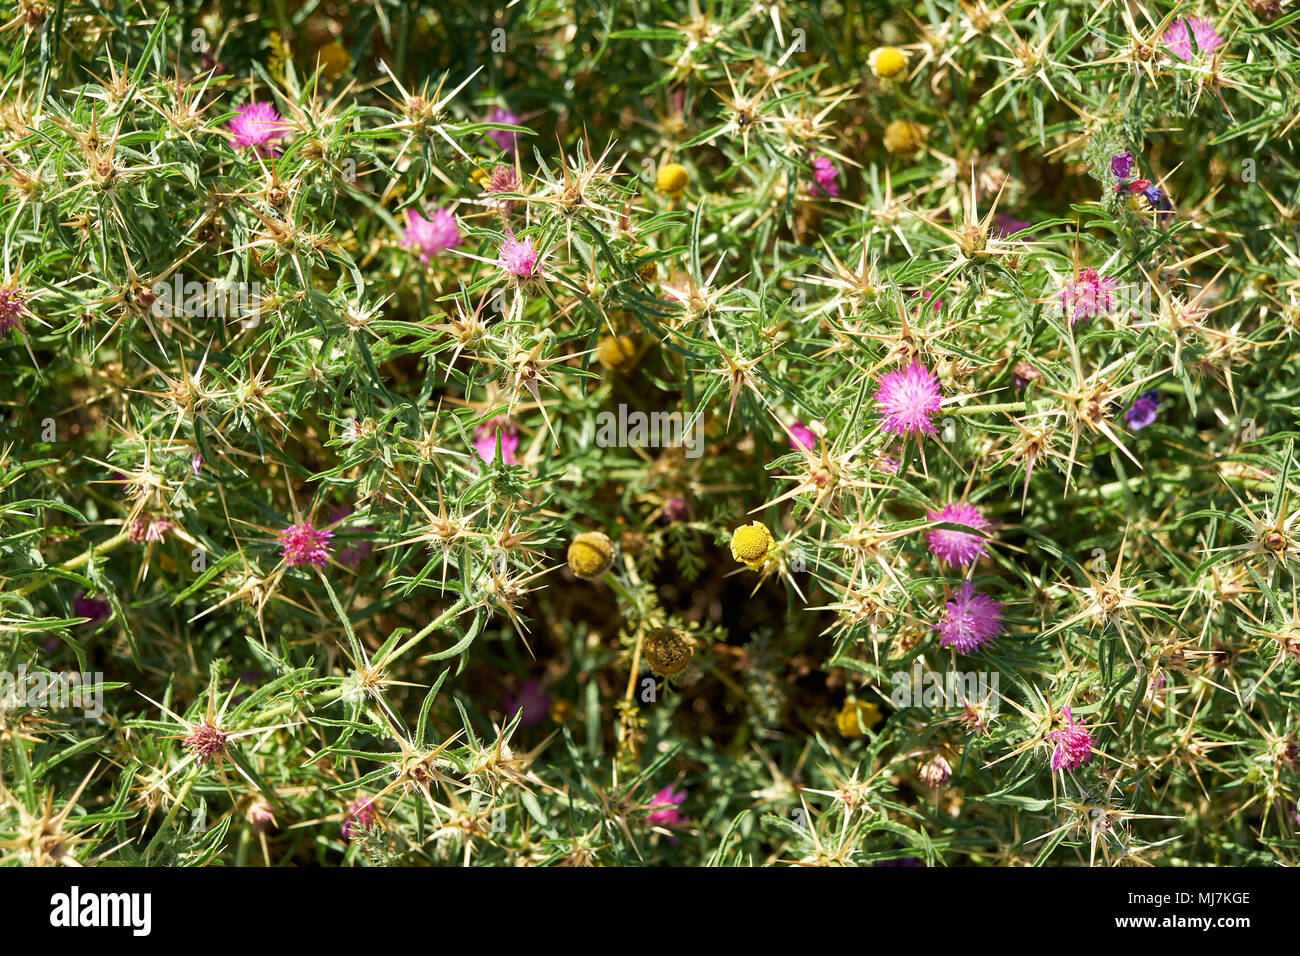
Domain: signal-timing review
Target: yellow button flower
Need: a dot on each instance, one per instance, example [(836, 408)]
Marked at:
[(672, 179), (857, 715), (904, 137), (590, 555), (668, 650), (616, 353), (887, 61), (751, 544)]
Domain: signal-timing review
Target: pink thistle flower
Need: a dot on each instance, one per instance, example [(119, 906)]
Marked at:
[(148, 530), (1073, 744), (1009, 225), (1179, 35), (303, 544), (360, 816), (801, 436), (430, 236), (205, 742), (824, 176), (353, 554), (505, 139), (519, 258), (957, 548), (531, 703), (971, 620), (11, 308), (485, 440), (676, 509), (1087, 296), (664, 806), (196, 463), (908, 399), (502, 179), (934, 773), (256, 125)]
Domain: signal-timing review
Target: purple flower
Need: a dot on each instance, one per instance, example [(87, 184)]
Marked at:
[(353, 554), (360, 815), (676, 509), (664, 805), (1087, 296), (256, 125), (303, 544), (519, 258), (531, 703), (1179, 35), (1121, 165), (11, 308), (1008, 225), (432, 235), (970, 620), (96, 609), (801, 436), (824, 176), (504, 139), (1143, 412), (908, 399), (1073, 744), (485, 440), (957, 548)]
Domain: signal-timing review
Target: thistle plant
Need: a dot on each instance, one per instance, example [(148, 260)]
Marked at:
[(655, 433)]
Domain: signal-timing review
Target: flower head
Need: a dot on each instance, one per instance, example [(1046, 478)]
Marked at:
[(801, 436), (824, 176), (672, 179), (1073, 744), (958, 548), (519, 258), (663, 806), (505, 139), (857, 715), (431, 235), (1179, 35), (668, 650), (1009, 225), (205, 742), (908, 399), (1121, 165), (751, 544), (590, 555), (485, 440), (531, 703), (360, 816), (11, 308), (303, 544), (934, 773), (1087, 295), (970, 620), (256, 125), (1143, 411), (887, 61)]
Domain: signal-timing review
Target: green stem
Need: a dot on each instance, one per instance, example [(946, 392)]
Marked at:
[(987, 409), (74, 563)]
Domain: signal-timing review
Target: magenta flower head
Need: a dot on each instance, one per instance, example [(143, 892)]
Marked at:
[(957, 548), (205, 742), (360, 816), (531, 703), (970, 620), (432, 235), (519, 258), (1009, 225), (504, 138), (303, 544), (1179, 35), (11, 308), (1073, 744), (824, 176), (908, 399), (1121, 165), (801, 436), (664, 806), (256, 125), (485, 440), (1087, 295)]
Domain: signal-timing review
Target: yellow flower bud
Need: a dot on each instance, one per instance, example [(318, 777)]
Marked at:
[(616, 353), (856, 715), (668, 650), (751, 544), (333, 59), (590, 555), (903, 137), (672, 179), (887, 61)]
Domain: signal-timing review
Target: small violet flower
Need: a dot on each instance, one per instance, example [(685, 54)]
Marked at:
[(1179, 35), (531, 703), (824, 178), (959, 548), (519, 258), (970, 620), (1143, 411), (505, 139), (431, 235), (664, 806), (1088, 295), (801, 436), (1073, 744)]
